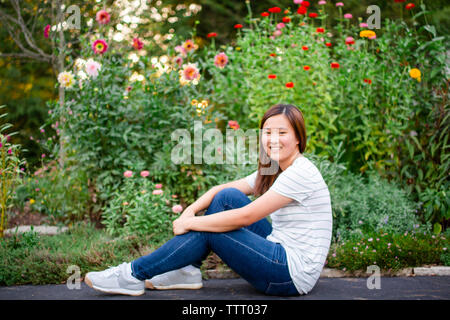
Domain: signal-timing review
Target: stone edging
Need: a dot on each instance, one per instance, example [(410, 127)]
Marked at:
[(406, 272), (45, 230), (334, 273)]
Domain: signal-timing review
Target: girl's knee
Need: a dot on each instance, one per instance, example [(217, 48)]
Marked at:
[(228, 192)]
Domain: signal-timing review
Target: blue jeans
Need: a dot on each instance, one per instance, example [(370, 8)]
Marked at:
[(261, 262)]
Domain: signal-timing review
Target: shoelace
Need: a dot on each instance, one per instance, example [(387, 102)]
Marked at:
[(113, 271)]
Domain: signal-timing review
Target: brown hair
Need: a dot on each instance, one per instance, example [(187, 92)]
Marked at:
[(295, 117)]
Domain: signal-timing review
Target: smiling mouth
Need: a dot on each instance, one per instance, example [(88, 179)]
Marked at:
[(274, 148)]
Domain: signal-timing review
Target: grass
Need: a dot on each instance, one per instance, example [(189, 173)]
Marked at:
[(36, 259)]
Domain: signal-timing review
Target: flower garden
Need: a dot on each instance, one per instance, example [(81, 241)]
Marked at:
[(376, 111)]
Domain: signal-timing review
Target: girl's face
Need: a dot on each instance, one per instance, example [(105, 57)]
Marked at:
[(278, 138)]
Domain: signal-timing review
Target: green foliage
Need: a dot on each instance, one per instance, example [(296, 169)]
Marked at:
[(363, 205), (33, 259), (10, 165), (385, 120), (388, 251), (62, 196), (141, 208)]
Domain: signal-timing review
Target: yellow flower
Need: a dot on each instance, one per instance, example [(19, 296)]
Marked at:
[(204, 103), (32, 201), (367, 34), (415, 74), (194, 102)]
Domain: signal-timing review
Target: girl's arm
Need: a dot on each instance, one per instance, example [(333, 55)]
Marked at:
[(235, 218), (205, 200)]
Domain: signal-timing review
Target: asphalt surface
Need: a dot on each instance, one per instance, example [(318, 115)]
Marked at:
[(390, 288)]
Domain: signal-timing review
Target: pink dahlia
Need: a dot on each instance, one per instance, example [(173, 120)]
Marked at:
[(221, 60), (100, 46), (102, 17)]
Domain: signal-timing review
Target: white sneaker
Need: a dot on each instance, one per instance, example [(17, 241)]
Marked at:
[(187, 277), (116, 280)]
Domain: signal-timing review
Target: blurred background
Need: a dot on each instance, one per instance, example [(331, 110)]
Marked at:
[(27, 84)]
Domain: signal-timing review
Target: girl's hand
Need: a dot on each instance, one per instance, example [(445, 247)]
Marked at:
[(180, 226), (188, 213)]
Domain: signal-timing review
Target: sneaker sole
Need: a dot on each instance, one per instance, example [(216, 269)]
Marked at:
[(115, 291), (188, 286)]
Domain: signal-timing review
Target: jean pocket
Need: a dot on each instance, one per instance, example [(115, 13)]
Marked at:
[(281, 289), (279, 255)]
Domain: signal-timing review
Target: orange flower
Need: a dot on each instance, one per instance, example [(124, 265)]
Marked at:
[(189, 45)]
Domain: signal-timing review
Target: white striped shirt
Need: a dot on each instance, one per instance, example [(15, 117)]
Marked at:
[(304, 226)]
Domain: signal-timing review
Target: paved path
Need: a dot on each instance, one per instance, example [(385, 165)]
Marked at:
[(391, 288)]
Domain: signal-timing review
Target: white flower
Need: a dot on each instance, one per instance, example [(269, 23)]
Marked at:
[(65, 79), (92, 67)]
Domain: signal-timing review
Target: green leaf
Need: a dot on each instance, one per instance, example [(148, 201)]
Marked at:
[(437, 228)]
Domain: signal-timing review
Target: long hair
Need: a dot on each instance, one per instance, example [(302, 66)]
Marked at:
[(295, 117)]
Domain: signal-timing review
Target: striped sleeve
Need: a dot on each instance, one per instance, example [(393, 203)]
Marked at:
[(251, 179), (291, 184)]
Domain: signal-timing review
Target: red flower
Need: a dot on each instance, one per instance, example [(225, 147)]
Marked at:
[(305, 4), (313, 15), (233, 124), (289, 85), (302, 10), (272, 76), (399, 0), (265, 14), (335, 65), (238, 26), (409, 6), (328, 44), (306, 68), (211, 35), (273, 54), (368, 81), (46, 31), (275, 10), (137, 44), (320, 30), (305, 48), (286, 19)]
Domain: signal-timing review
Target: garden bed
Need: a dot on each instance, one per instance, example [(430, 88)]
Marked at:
[(38, 259)]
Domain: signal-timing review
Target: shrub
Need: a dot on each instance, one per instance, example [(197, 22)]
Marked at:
[(141, 207), (60, 195), (364, 205), (388, 251), (10, 171)]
